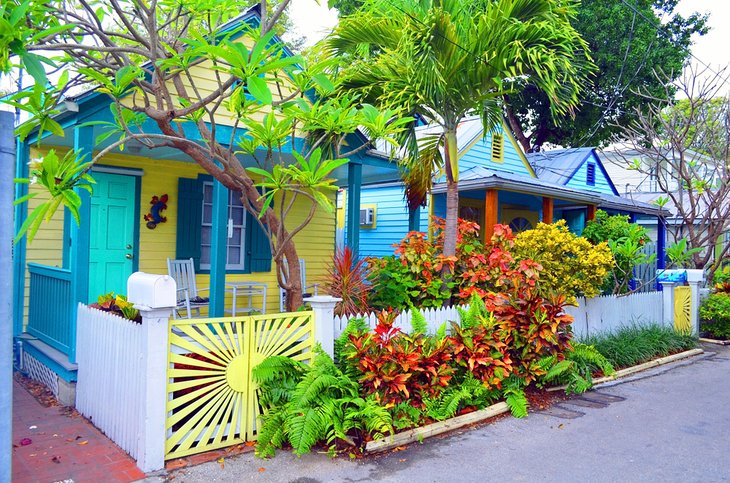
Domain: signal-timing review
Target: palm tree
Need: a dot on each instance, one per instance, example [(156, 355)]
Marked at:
[(446, 59)]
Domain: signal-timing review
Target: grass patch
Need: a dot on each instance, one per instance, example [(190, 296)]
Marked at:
[(636, 344)]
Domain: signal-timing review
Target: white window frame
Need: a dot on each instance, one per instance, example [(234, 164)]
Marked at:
[(233, 203)]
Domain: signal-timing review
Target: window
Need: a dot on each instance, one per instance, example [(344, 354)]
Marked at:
[(248, 249), (236, 230), (591, 174), (497, 148)]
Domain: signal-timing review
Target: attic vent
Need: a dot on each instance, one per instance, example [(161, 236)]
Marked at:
[(591, 175), (498, 148)]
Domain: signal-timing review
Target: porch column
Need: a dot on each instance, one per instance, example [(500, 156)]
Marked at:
[(218, 250), (80, 235), (491, 207), (22, 158), (414, 219), (591, 213), (354, 184), (547, 209)]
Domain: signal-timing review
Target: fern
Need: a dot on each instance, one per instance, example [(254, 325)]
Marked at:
[(405, 415), (277, 377), (441, 332), (471, 317), (576, 370), (272, 432), (513, 390), (323, 405), (418, 322)]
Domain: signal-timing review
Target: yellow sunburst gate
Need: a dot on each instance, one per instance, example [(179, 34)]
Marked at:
[(212, 401), (683, 309)]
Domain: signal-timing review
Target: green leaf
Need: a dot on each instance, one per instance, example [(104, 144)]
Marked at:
[(258, 88)]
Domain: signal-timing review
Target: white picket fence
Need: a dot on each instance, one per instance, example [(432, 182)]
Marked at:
[(109, 387), (434, 318), (591, 316), (608, 313)]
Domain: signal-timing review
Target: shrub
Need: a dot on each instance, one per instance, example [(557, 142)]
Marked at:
[(572, 265), (307, 404), (715, 315), (626, 241), (348, 280), (397, 367), (410, 278), (119, 305), (721, 280), (635, 344)]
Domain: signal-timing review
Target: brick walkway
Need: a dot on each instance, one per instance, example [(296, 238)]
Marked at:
[(64, 446)]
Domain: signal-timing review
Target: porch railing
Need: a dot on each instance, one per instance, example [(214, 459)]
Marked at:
[(50, 308)]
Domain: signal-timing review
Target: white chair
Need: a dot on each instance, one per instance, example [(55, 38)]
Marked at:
[(305, 287), (188, 300)]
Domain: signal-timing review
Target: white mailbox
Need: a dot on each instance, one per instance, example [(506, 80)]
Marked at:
[(695, 275), (153, 291)]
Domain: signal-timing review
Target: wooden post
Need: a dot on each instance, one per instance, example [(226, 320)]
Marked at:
[(591, 212), (547, 210), (491, 207), (354, 185)]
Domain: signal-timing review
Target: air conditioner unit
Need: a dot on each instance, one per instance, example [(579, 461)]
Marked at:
[(367, 216)]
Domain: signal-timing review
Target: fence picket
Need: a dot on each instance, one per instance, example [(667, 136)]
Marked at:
[(592, 316)]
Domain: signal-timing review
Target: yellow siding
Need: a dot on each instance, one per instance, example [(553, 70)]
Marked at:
[(315, 244)]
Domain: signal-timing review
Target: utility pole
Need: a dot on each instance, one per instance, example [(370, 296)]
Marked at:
[(7, 174)]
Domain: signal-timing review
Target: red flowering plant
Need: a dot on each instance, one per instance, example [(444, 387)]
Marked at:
[(398, 367)]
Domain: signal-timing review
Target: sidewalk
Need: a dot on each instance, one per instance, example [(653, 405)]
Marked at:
[(63, 446)]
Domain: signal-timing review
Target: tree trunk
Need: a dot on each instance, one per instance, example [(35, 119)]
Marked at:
[(516, 127), (290, 277), (452, 193)]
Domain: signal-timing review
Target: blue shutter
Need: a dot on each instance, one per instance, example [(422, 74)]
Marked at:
[(258, 250), (189, 218)]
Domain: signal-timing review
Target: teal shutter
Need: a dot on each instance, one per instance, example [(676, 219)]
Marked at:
[(258, 250), (189, 218)]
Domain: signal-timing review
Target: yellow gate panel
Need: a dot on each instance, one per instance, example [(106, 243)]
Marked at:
[(683, 309), (212, 399)]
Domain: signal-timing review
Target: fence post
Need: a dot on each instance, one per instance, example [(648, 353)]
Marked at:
[(155, 297), (668, 302), (324, 321), (694, 279)]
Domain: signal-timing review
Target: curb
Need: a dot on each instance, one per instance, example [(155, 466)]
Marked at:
[(419, 434), (715, 341), (641, 367)]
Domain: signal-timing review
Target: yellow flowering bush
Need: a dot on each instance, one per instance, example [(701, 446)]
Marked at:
[(571, 264)]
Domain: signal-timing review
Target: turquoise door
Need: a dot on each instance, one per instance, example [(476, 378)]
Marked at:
[(111, 247)]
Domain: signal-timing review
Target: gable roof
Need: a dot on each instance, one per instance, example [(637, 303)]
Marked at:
[(560, 165)]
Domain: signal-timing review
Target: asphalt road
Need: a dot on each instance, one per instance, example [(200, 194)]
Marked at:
[(672, 425)]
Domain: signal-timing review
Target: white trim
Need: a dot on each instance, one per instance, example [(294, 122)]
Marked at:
[(116, 170)]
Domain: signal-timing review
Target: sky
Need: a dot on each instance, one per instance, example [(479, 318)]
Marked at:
[(314, 21)]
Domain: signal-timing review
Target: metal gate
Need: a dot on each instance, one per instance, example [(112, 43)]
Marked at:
[(212, 400), (683, 309)]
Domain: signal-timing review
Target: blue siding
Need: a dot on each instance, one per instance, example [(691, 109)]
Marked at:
[(391, 221), (578, 180), (480, 154)]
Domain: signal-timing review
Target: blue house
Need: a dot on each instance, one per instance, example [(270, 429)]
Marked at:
[(498, 184)]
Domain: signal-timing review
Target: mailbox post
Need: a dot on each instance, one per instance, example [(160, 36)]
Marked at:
[(155, 298)]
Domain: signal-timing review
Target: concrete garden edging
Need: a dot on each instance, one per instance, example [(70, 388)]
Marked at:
[(420, 433), (715, 341), (641, 367)]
